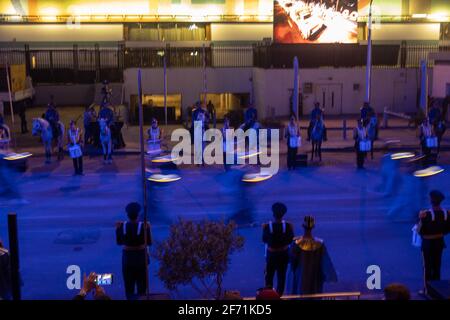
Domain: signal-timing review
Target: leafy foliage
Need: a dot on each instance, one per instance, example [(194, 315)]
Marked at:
[(197, 252)]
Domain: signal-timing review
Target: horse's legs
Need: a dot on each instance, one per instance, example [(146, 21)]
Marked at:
[(319, 150), (60, 149), (110, 151), (104, 151), (48, 152), (371, 148)]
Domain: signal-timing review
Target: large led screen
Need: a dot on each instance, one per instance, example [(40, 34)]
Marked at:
[(315, 21)]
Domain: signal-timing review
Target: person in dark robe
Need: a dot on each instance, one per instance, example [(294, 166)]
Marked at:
[(311, 265)]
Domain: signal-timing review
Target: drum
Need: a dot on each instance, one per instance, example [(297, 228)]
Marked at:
[(365, 145), (75, 151), (432, 142)]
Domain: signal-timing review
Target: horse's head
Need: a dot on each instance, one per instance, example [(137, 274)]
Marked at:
[(37, 127)]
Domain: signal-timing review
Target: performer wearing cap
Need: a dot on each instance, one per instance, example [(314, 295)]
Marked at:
[(360, 135), (75, 145), (277, 236), (52, 116), (131, 235), (366, 112), (315, 112), (311, 265), (433, 224)]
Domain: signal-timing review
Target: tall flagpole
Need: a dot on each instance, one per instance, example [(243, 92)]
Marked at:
[(369, 56), (144, 180), (295, 90), (165, 88), (424, 86), (10, 94), (205, 88)]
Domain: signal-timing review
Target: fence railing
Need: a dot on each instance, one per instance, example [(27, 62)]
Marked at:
[(96, 64)]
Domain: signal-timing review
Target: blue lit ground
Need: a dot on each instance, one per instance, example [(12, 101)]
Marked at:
[(70, 220)]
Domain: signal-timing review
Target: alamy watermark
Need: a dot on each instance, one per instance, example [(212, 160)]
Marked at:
[(257, 146)]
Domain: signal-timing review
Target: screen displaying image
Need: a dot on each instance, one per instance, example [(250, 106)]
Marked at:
[(315, 21)]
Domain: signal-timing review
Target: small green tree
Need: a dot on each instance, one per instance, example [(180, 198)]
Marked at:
[(197, 254)]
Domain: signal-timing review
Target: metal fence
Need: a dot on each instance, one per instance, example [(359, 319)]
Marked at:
[(96, 64)]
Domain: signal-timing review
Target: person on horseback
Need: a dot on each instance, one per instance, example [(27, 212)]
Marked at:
[(316, 111), (106, 113), (52, 116), (372, 131), (317, 136), (250, 117)]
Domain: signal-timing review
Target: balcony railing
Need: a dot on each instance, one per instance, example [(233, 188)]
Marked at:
[(96, 64)]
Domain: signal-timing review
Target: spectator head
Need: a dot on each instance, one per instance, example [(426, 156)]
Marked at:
[(72, 123), (267, 293), (100, 294), (292, 119), (309, 223), (133, 210), (279, 210), (366, 104), (232, 295), (396, 291), (317, 104), (436, 197), (154, 122)]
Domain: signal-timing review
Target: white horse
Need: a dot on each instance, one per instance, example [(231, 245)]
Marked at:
[(42, 127), (106, 141)]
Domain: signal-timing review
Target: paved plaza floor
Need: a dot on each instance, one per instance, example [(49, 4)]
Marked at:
[(69, 220)]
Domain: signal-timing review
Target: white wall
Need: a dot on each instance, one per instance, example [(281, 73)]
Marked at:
[(407, 31), (392, 88), (61, 32), (441, 77), (188, 82), (241, 31)]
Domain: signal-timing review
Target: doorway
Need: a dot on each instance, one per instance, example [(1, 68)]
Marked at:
[(330, 98)]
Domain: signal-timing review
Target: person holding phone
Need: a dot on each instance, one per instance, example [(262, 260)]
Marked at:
[(90, 285)]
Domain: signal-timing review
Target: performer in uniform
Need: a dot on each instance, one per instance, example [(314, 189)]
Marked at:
[(428, 140), (360, 135), (75, 143), (52, 116), (277, 236), (316, 111), (106, 113), (131, 235), (154, 137), (292, 135), (366, 112), (311, 265), (433, 225)]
